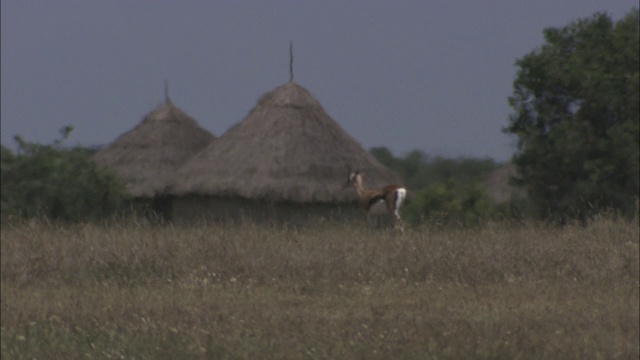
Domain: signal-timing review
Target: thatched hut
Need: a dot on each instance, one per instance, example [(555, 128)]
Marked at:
[(286, 158), (498, 184), (147, 156)]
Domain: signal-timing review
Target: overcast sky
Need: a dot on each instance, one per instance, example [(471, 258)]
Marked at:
[(427, 75)]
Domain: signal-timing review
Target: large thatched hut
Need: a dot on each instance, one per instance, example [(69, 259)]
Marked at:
[(286, 158), (147, 156)]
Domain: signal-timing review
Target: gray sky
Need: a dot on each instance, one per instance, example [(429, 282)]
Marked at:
[(428, 75)]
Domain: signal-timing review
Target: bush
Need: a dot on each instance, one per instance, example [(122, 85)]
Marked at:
[(57, 183), (443, 191), (451, 203)]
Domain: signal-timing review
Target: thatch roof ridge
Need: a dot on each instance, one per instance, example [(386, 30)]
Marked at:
[(148, 155), (287, 148)]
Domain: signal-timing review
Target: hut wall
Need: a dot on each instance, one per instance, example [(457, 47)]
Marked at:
[(156, 209), (194, 208)]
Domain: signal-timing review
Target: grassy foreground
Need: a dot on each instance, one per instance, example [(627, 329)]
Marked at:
[(332, 291)]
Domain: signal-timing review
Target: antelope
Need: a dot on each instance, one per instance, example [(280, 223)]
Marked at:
[(376, 202)]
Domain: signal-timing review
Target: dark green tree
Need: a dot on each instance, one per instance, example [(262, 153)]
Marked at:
[(57, 182), (576, 118), (385, 157)]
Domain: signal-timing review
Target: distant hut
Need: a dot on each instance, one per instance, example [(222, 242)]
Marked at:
[(498, 184), (287, 158), (147, 156)]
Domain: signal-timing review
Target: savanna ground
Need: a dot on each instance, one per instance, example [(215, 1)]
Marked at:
[(327, 291)]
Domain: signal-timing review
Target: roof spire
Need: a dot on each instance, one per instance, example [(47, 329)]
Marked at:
[(290, 61), (166, 91)]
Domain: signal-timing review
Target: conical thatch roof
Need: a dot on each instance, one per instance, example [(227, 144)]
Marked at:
[(148, 155), (286, 149)]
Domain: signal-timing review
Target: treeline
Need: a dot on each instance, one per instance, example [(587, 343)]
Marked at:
[(57, 182), (445, 191), (63, 183)]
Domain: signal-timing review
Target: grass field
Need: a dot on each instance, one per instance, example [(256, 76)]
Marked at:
[(329, 291)]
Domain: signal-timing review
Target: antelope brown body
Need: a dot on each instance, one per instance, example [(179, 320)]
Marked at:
[(382, 201)]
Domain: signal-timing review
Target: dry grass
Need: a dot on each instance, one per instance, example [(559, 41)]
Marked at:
[(516, 291)]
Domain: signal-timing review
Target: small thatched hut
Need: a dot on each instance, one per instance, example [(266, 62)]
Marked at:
[(498, 184), (147, 156), (286, 158)]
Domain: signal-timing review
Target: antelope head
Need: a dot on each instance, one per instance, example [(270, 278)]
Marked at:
[(353, 180)]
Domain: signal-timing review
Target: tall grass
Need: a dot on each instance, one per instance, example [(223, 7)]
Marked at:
[(329, 291)]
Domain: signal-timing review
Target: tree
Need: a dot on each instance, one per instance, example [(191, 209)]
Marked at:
[(576, 118), (57, 182)]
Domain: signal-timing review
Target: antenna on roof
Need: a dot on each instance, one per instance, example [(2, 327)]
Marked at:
[(290, 61), (166, 91)]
